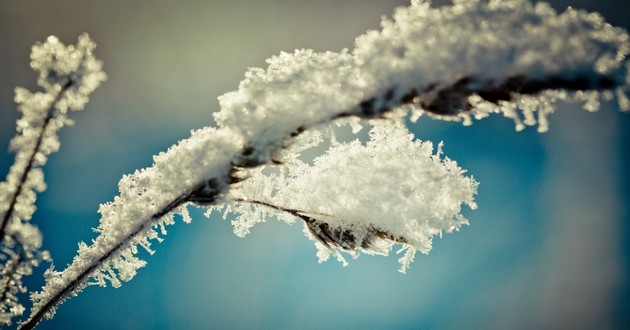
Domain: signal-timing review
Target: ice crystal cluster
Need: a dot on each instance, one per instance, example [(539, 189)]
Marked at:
[(67, 75), (460, 62), (361, 197)]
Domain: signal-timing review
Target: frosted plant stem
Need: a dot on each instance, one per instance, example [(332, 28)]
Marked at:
[(57, 298), (80, 278), (30, 164), (451, 99)]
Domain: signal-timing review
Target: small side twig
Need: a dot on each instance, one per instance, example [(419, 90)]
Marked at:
[(329, 236)]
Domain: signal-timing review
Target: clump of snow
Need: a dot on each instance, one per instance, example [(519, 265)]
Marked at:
[(296, 90), (392, 189), (59, 65), (436, 59)]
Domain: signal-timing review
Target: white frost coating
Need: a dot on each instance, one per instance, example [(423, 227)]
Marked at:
[(296, 90), (501, 39), (424, 48), (67, 74), (58, 64), (129, 220), (391, 184), (472, 54)]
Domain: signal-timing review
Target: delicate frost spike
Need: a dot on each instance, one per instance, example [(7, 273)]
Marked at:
[(67, 74), (363, 197)]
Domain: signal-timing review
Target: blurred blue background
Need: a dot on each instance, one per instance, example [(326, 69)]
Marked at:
[(548, 247)]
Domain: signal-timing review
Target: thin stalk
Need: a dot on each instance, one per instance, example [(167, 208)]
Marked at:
[(331, 237), (294, 212), (57, 298), (31, 161)]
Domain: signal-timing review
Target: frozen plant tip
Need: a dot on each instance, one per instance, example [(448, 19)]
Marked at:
[(68, 74)]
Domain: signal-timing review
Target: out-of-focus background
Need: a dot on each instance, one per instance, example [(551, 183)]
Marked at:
[(549, 245)]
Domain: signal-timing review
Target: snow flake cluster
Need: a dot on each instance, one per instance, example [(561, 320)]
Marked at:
[(73, 67), (362, 197)]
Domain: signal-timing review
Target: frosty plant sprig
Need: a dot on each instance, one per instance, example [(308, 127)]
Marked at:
[(67, 74), (460, 62)]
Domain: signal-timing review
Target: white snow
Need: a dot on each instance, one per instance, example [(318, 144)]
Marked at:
[(392, 184)]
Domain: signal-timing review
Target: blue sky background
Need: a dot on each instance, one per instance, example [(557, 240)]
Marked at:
[(549, 245)]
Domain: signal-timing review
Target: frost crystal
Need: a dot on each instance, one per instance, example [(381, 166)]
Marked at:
[(363, 197), (71, 67)]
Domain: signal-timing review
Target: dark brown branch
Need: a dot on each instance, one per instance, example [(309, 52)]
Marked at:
[(329, 236), (452, 99)]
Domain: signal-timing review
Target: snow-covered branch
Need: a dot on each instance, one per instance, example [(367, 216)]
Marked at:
[(456, 63)]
